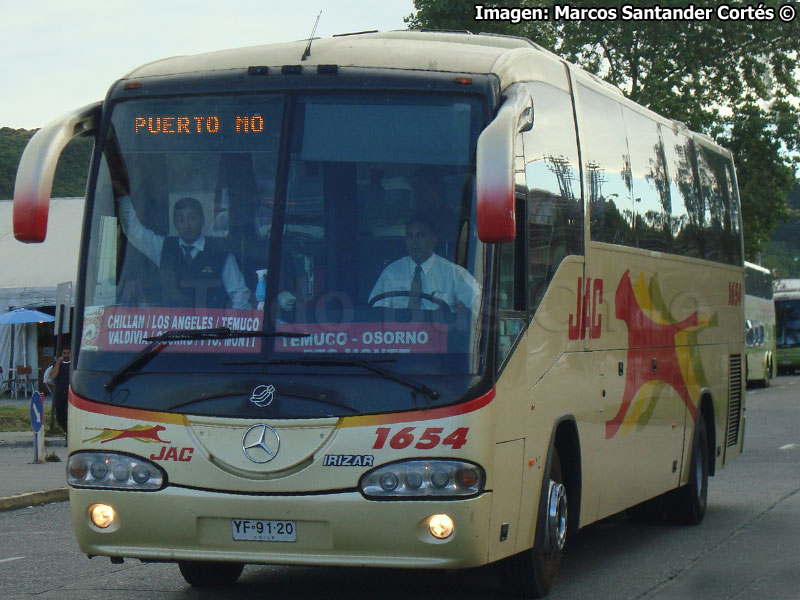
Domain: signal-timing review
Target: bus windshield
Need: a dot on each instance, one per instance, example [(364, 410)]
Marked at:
[(347, 218), (787, 319)]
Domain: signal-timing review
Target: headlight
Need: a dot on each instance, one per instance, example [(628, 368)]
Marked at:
[(109, 470), (423, 478)]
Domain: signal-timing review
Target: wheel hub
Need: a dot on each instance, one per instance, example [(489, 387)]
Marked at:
[(556, 537)]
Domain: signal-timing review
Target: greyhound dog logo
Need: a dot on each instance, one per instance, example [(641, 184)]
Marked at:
[(263, 395), (148, 434)]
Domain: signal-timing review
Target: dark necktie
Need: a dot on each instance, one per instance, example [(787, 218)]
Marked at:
[(187, 253), (416, 289)]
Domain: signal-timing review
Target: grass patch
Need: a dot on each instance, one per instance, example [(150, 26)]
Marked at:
[(18, 418)]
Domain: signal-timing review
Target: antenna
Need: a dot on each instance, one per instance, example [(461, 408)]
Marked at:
[(307, 53)]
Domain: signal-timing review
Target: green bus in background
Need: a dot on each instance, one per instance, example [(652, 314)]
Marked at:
[(787, 324)]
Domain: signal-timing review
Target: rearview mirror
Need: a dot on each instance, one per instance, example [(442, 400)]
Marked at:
[(495, 166), (37, 167)]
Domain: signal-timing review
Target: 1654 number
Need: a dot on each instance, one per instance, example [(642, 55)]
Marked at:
[(429, 439)]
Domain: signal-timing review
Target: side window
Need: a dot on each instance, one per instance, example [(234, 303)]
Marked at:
[(651, 195), (555, 213), (735, 217), (687, 209), (721, 223), (607, 168), (511, 302)]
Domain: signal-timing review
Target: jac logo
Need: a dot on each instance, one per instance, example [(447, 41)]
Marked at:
[(173, 453), (587, 310), (734, 293)]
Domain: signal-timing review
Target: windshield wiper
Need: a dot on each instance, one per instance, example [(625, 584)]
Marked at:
[(353, 361), (159, 342)]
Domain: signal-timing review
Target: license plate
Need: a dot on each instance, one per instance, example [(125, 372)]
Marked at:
[(261, 530)]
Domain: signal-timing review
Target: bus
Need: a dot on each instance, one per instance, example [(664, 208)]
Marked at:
[(787, 324), (572, 347), (759, 314)]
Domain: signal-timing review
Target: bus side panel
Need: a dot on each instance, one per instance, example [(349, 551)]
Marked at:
[(507, 477), (677, 325)]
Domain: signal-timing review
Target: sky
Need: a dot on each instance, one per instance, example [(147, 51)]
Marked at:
[(56, 55)]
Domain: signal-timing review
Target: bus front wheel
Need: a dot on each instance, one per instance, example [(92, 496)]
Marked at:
[(210, 574), (532, 574)]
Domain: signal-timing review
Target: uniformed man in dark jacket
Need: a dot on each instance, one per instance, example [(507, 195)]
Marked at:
[(195, 270)]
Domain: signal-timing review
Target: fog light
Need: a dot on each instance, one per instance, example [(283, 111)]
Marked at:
[(102, 515), (440, 526)]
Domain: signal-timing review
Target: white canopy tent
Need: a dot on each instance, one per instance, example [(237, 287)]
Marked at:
[(30, 273)]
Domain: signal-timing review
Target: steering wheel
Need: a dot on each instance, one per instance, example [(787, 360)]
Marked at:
[(441, 304)]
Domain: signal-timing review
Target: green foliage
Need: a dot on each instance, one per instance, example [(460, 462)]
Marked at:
[(71, 172), (729, 79), (12, 143)]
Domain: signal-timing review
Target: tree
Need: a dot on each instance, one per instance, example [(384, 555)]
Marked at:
[(70, 176), (736, 80)]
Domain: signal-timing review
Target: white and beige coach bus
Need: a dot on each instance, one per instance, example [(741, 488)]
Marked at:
[(447, 300), (759, 314)]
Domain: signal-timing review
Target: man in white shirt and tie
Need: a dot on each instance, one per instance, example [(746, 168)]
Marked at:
[(194, 269), (423, 273)]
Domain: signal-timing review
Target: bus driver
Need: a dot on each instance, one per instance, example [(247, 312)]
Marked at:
[(191, 265), (424, 273)]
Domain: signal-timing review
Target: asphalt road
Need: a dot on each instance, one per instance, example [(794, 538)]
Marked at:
[(747, 547)]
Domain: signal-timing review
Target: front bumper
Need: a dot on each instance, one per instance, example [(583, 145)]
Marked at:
[(332, 529)]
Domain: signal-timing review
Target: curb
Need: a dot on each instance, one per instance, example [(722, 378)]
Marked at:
[(33, 499)]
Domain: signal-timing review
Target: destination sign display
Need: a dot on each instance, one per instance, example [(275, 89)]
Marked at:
[(196, 124)]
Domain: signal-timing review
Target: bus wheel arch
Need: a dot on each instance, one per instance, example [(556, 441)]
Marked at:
[(707, 410), (687, 504), (532, 573), (566, 441)]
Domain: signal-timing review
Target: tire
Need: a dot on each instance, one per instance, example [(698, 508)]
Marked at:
[(210, 574), (532, 574), (687, 504)]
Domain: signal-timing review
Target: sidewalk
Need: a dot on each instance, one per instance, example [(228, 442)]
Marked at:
[(25, 483)]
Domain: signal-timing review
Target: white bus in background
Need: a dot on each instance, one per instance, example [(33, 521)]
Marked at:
[(759, 315)]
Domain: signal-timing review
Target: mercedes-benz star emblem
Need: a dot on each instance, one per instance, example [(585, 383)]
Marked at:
[(260, 443), (263, 395)]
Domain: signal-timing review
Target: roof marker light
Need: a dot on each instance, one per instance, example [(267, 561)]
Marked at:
[(463, 80), (327, 69), (132, 85), (291, 69), (260, 70)]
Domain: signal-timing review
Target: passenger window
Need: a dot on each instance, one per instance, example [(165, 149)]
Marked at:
[(651, 194), (607, 165), (555, 212), (734, 217), (687, 209), (721, 240)]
